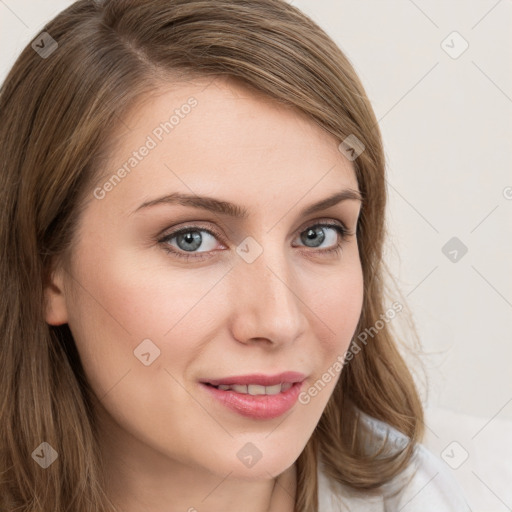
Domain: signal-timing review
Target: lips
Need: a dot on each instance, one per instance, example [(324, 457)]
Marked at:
[(257, 396), (255, 389), (257, 380)]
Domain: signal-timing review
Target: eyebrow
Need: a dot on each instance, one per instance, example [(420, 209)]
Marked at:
[(233, 210)]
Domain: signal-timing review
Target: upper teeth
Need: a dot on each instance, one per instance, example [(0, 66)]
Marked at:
[(255, 389)]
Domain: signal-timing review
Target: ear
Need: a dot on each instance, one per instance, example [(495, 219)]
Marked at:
[(55, 299)]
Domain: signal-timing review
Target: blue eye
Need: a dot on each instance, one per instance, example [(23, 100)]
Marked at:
[(189, 239), (316, 233)]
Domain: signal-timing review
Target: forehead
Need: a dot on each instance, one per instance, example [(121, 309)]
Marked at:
[(210, 136)]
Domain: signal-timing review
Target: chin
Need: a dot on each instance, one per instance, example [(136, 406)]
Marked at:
[(253, 460)]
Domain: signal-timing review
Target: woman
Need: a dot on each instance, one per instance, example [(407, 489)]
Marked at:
[(194, 313)]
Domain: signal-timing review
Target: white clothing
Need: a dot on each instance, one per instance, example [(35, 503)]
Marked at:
[(432, 488)]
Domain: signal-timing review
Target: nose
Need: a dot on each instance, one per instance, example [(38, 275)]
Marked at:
[(268, 306)]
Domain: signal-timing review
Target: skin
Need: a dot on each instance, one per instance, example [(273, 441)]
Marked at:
[(167, 445)]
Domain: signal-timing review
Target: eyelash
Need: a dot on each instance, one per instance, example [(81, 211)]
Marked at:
[(341, 230)]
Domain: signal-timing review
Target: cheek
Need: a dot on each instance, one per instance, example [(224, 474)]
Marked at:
[(142, 294), (119, 303), (121, 300), (337, 307)]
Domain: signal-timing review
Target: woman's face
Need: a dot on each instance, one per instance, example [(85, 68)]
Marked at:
[(155, 315)]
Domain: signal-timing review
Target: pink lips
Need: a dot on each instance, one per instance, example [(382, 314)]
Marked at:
[(257, 406), (259, 378)]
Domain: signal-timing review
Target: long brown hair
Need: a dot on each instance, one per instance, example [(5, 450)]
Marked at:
[(58, 109)]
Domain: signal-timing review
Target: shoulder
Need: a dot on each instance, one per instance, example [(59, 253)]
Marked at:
[(430, 487), (426, 485)]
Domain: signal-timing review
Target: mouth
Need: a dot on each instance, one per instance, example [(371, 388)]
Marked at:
[(257, 379), (254, 389), (257, 396)]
